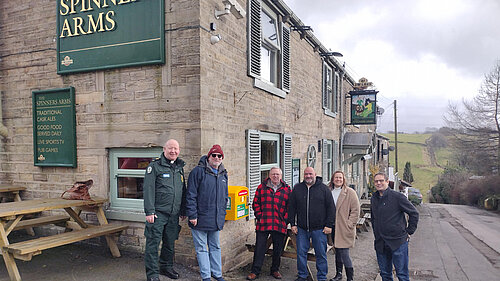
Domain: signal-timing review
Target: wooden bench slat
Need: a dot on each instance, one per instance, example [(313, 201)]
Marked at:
[(41, 221), (10, 188), (39, 244)]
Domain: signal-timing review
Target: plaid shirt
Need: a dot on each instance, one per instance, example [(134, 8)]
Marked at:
[(270, 207)]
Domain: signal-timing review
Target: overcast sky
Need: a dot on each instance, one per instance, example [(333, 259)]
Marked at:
[(422, 53)]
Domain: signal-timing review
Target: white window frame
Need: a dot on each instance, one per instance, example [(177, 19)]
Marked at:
[(126, 208), (331, 87)]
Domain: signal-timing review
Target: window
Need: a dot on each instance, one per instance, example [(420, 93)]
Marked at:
[(269, 49), (264, 151), (330, 90), (126, 170), (329, 155)]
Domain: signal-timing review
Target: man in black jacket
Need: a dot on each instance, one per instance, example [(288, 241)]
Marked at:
[(392, 233), (311, 213)]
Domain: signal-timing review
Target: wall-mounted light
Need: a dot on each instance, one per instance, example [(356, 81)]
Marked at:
[(302, 28), (231, 6), (331, 54), (215, 38)]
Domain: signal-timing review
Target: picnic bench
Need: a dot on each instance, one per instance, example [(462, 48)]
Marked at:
[(11, 191), (76, 229), (8, 191)]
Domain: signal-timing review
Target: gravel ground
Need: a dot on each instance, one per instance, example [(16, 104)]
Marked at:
[(362, 255), (85, 262)]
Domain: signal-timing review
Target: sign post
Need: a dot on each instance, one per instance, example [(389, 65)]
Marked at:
[(54, 127)]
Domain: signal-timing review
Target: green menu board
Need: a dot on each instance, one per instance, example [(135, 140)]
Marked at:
[(54, 127)]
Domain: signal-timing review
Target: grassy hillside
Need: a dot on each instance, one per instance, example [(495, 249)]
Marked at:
[(413, 148)]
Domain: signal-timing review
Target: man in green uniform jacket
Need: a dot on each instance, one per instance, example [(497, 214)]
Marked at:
[(164, 197)]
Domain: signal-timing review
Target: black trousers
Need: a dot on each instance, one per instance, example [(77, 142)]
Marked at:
[(278, 239)]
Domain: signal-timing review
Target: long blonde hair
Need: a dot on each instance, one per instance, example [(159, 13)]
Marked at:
[(344, 184)]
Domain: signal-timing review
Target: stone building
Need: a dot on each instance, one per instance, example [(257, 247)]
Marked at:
[(252, 79)]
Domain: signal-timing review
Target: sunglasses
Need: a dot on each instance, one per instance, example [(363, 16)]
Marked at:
[(216, 155)]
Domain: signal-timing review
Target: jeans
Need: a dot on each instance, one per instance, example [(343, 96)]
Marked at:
[(319, 241), (260, 250), (399, 258), (209, 260)]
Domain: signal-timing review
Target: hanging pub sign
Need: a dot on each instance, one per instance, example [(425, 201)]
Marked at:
[(103, 34), (54, 127), (363, 107)]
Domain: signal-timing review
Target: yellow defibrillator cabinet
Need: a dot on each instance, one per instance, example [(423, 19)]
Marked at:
[(237, 205)]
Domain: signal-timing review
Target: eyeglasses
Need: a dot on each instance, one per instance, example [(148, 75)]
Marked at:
[(374, 180), (216, 155)]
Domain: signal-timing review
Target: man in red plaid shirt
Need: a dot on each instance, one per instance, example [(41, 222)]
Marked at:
[(270, 207)]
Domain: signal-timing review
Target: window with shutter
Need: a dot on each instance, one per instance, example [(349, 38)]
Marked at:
[(268, 48), (265, 151), (330, 90)]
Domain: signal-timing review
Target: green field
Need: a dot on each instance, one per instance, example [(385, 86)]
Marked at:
[(412, 148)]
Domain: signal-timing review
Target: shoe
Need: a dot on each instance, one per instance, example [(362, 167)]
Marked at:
[(252, 276), (170, 273), (206, 279), (155, 278), (276, 275), (338, 267), (219, 278)]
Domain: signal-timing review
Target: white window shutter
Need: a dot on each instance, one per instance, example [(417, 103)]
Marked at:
[(324, 90), (254, 38), (253, 165), (336, 91), (336, 156), (287, 159), (324, 160), (286, 59)]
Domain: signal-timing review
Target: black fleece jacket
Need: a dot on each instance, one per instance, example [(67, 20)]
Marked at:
[(389, 221), (311, 208)]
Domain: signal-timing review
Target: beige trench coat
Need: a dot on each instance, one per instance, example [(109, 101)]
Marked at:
[(347, 215)]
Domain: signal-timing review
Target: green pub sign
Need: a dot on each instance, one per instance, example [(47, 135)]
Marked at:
[(104, 34), (54, 127)]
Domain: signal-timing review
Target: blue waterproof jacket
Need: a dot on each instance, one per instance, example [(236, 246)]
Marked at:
[(207, 196)]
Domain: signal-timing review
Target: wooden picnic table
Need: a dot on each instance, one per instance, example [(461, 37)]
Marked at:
[(11, 214), (12, 192)]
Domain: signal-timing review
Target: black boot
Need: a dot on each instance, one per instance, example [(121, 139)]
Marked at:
[(338, 276), (349, 271)]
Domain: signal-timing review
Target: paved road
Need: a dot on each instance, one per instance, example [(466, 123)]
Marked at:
[(455, 243)]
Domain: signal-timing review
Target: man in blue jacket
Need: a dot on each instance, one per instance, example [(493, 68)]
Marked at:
[(392, 233), (206, 202), (311, 213)]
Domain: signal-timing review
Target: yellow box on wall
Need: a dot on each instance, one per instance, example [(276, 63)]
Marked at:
[(237, 205)]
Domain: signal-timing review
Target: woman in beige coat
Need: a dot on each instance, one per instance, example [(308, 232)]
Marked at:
[(347, 214)]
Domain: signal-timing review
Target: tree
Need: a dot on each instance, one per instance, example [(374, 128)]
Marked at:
[(407, 175), (476, 127)]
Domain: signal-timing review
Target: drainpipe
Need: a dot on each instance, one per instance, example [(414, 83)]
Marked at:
[(3, 130)]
